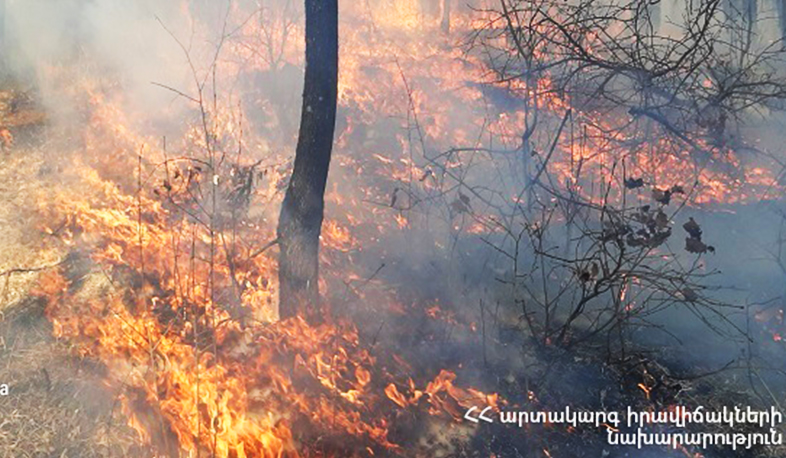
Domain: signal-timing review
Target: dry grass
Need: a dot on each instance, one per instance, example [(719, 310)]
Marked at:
[(20, 249), (57, 405)]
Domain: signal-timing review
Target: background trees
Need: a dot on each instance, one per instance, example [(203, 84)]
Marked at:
[(613, 98)]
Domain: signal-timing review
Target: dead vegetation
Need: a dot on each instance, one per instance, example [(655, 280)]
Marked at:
[(151, 269), (57, 404)]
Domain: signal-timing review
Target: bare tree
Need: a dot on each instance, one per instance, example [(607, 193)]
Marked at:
[(696, 83), (606, 93), (300, 221)]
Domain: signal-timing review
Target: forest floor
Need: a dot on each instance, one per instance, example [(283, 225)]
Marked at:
[(57, 405)]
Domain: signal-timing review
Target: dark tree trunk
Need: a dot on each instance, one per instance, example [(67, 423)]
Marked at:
[(300, 221)]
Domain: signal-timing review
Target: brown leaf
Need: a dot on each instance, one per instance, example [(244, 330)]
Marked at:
[(659, 238), (661, 196), (661, 220), (694, 245), (464, 199), (634, 183), (689, 295), (692, 228), (459, 207)]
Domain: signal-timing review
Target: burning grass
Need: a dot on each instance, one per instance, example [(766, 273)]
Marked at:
[(153, 259), (178, 314)]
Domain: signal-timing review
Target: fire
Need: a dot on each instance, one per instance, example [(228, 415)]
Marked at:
[(645, 389), (179, 304), (772, 321), (200, 375), (336, 237)]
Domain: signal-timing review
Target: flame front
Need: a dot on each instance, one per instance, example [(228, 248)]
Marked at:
[(178, 301)]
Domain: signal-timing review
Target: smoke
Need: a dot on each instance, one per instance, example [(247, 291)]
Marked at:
[(122, 47), (130, 44)]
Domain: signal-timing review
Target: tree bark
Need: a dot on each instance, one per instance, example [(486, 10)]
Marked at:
[(300, 221)]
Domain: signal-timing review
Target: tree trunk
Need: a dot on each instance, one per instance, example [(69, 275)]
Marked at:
[(446, 16), (3, 44), (782, 20), (429, 10), (300, 221)]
